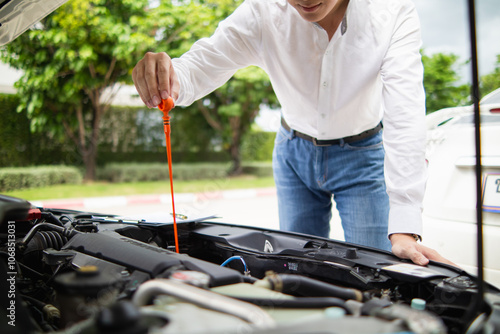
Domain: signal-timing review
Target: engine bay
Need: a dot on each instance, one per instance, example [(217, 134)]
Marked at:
[(80, 272)]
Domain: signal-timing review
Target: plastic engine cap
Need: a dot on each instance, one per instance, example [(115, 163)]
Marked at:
[(418, 304)]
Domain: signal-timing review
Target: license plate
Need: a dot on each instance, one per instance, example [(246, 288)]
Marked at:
[(491, 192)]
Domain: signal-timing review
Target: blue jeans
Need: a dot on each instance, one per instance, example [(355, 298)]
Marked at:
[(307, 177)]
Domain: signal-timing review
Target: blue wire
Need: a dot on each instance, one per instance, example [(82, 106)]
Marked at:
[(235, 258)]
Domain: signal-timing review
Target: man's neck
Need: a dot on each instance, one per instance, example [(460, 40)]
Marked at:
[(332, 21)]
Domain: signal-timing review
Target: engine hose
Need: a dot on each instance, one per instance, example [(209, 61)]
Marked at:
[(51, 239), (43, 240), (49, 310), (298, 302), (68, 233), (249, 279), (203, 298), (297, 285), (50, 218)]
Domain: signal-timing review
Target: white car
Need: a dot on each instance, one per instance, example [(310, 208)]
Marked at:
[(450, 200)]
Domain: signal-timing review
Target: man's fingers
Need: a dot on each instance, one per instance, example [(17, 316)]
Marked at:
[(155, 79), (140, 83), (419, 258), (409, 251), (163, 68), (433, 255), (150, 77), (405, 247)]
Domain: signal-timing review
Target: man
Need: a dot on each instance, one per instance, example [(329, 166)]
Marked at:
[(338, 68)]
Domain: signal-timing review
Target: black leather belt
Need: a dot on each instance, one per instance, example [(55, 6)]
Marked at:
[(330, 142)]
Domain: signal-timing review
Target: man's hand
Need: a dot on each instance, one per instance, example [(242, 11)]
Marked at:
[(155, 79), (404, 246)]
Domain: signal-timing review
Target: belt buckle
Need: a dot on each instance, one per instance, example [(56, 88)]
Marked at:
[(315, 143)]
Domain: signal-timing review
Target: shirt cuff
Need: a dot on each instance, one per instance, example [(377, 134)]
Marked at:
[(184, 90), (405, 219)]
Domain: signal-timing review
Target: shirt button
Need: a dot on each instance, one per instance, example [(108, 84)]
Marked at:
[(323, 115), (325, 83)]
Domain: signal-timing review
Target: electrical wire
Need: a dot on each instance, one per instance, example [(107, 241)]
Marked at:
[(232, 258)]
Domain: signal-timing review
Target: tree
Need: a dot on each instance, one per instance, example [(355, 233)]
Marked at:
[(491, 81), (231, 109), (440, 82), (71, 60), (74, 59)]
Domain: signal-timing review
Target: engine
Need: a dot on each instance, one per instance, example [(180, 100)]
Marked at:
[(77, 272)]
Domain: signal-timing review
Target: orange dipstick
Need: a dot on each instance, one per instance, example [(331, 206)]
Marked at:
[(166, 106)]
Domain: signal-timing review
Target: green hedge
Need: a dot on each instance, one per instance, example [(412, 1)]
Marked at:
[(260, 169), (128, 134), (136, 172), (20, 148), (132, 172), (40, 176), (32, 177)]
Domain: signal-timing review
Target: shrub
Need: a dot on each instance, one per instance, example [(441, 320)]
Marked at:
[(135, 172), (259, 169), (21, 148), (40, 176)]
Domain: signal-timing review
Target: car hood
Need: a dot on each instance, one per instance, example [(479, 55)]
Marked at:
[(16, 16)]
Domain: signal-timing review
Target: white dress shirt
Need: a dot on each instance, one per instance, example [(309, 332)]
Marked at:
[(369, 71)]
